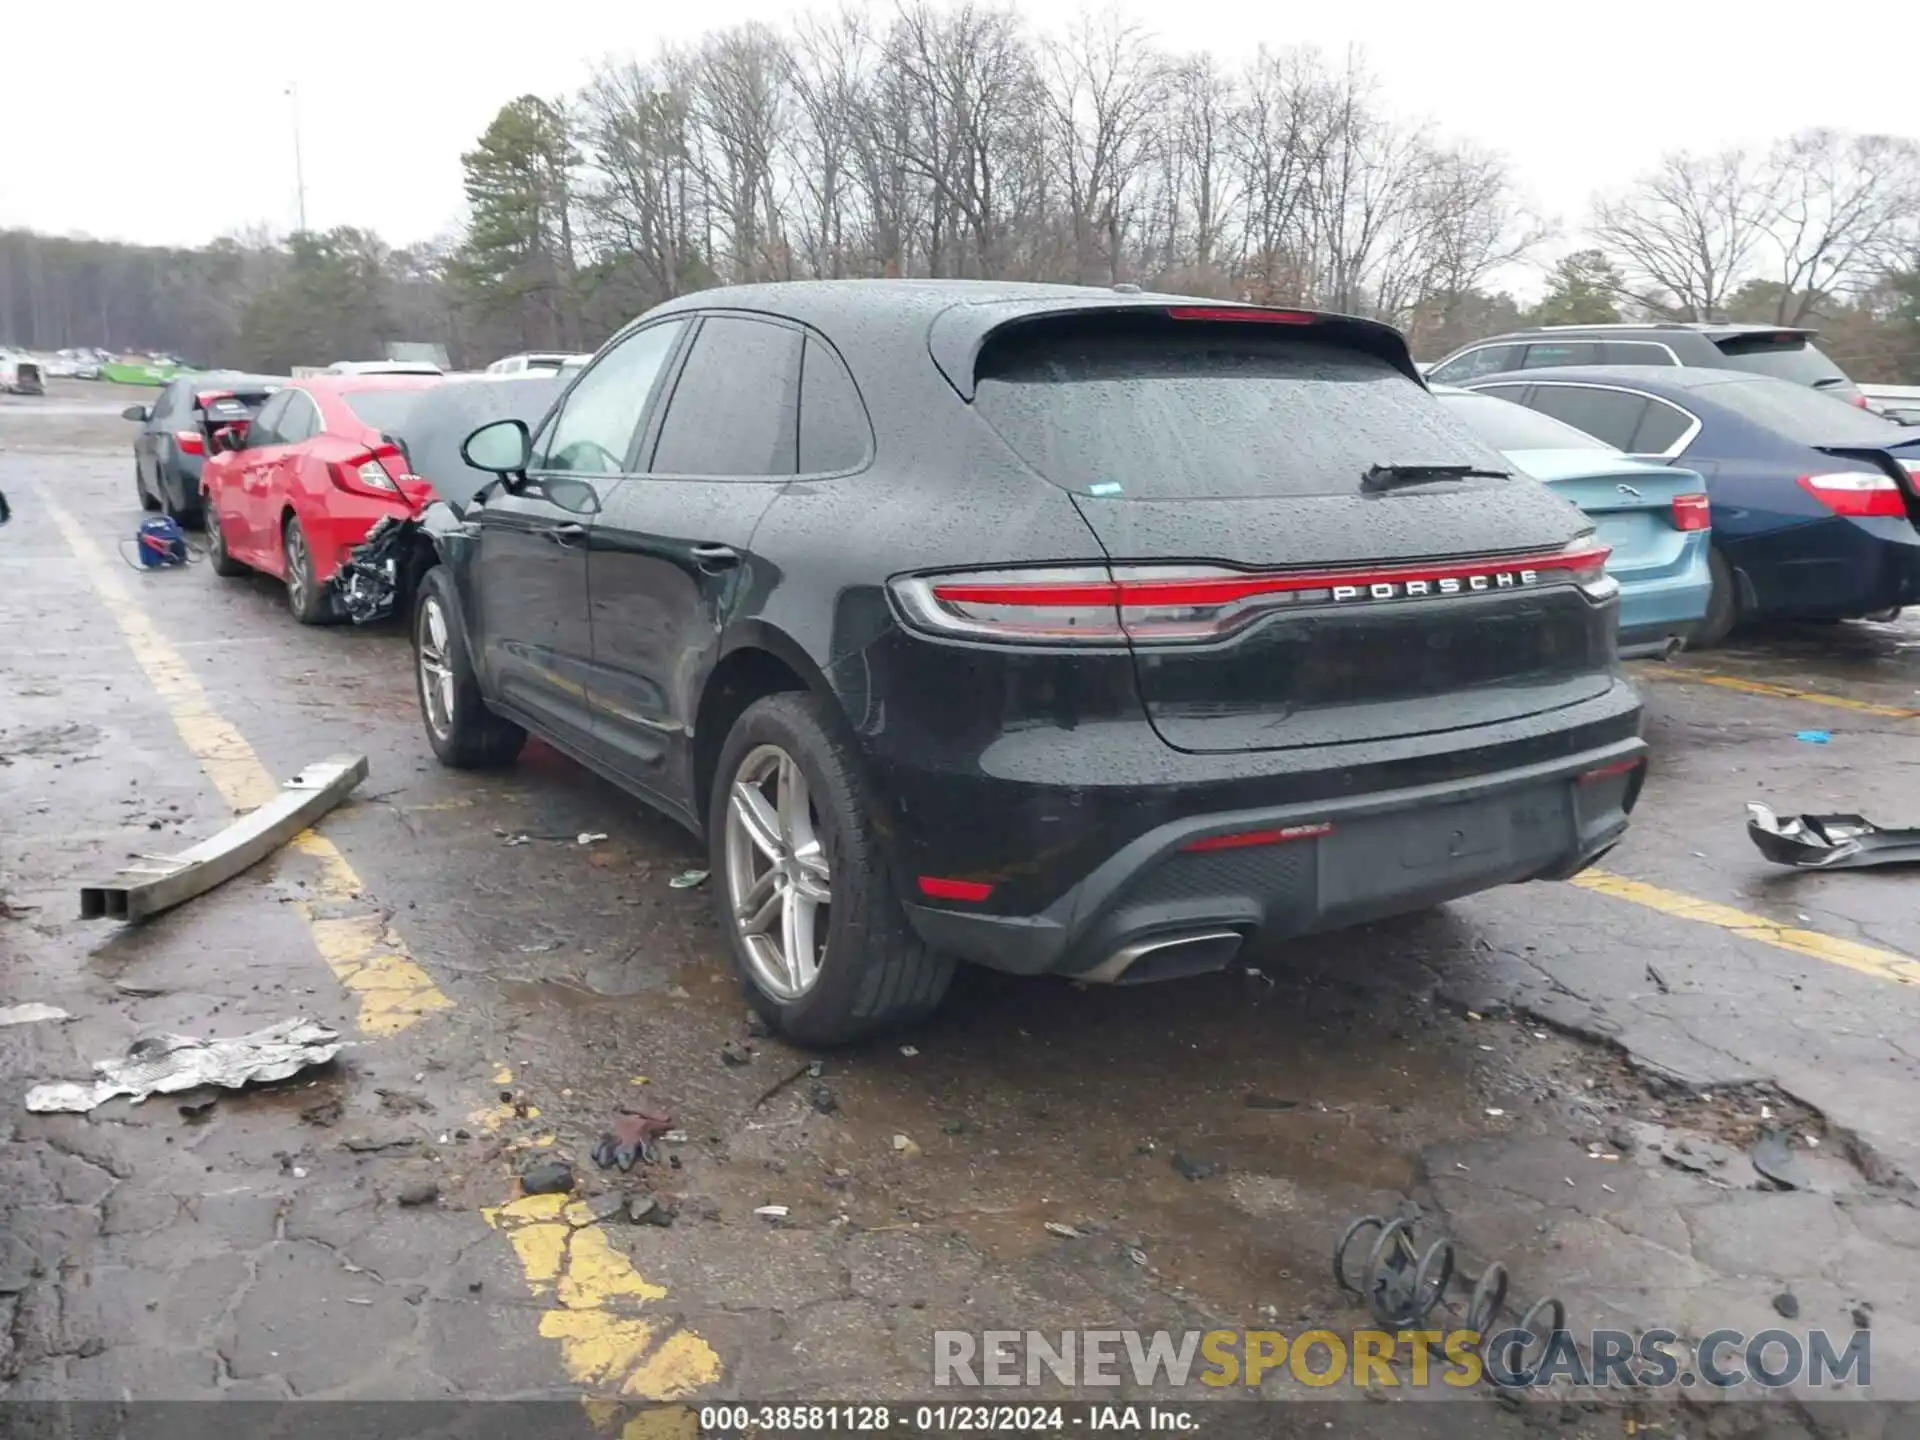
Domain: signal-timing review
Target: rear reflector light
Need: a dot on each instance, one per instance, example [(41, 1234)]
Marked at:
[(191, 442), (1856, 492), (1242, 839), (938, 887), (1691, 512), (1174, 604), (1619, 767), (1241, 312)]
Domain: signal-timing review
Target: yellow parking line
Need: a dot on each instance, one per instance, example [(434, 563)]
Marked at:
[(591, 1289), (1866, 959), (359, 947), (1688, 675)]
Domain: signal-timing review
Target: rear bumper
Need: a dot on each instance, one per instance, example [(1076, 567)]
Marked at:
[(1157, 909), (1660, 606)]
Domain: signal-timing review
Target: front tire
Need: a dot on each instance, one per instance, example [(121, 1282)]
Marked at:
[(810, 911), (464, 733), (1723, 606), (224, 565)]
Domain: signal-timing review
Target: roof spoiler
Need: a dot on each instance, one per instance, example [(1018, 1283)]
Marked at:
[(961, 332)]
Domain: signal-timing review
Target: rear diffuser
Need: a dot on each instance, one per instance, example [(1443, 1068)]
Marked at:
[(1830, 842)]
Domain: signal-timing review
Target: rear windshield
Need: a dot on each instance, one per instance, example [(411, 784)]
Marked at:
[(1783, 357), (1808, 416), (383, 409), (1214, 416), (1508, 427)]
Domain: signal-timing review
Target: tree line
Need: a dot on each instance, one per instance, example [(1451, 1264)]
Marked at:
[(949, 139)]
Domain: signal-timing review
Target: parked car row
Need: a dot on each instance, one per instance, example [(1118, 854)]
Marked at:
[(1056, 630)]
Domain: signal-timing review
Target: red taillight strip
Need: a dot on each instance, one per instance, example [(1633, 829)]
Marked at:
[(1226, 591), (1241, 839), (1241, 312), (1619, 767)]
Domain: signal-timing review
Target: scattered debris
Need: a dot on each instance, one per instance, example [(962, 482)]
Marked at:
[(402, 1102), (158, 884), (1192, 1169), (1772, 1156), (954, 1127), (15, 910), (1786, 1305), (590, 837), (419, 1192), (821, 1097), (813, 1067), (909, 1051), (734, 1054), (771, 1212), (513, 840), (631, 1139), (198, 1109), (169, 1064), (1065, 1232), (644, 1209), (323, 1112), (548, 1177), (757, 1027), (1862, 1320), (375, 1144), (30, 1012), (1258, 1100), (1829, 842), (1659, 980), (1813, 737), (687, 880), (137, 992), (1137, 1255), (1495, 1111), (903, 1144), (91, 1347)]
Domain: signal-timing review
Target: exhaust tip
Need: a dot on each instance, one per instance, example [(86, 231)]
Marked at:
[(1168, 957)]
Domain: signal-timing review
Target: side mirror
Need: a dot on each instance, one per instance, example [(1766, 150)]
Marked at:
[(139, 414), (5, 513), (503, 448)]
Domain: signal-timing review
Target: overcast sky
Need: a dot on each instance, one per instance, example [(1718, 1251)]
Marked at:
[(177, 128)]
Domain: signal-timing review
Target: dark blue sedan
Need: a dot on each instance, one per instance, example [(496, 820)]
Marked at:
[(1814, 501)]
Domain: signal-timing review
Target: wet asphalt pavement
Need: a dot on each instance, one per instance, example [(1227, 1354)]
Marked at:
[(1568, 1077)]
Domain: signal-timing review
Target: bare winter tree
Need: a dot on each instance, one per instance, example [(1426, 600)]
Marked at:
[(1838, 211), (1690, 231), (741, 103), (642, 203)]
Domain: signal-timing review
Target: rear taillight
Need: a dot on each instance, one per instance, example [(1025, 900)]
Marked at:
[(376, 473), (191, 442), (1691, 512), (1856, 492), (1191, 604), (1861, 402)]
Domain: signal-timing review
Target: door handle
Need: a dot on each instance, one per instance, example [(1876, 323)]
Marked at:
[(715, 557), (565, 534)]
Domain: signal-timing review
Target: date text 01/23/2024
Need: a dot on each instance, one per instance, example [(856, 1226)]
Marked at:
[(981, 1419)]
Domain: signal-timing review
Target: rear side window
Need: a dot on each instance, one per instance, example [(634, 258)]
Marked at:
[(1487, 360), (1508, 427), (1610, 415), (265, 429), (1660, 429), (1563, 352), (1634, 352), (299, 422), (834, 433), (734, 410), (1211, 417), (1785, 357)]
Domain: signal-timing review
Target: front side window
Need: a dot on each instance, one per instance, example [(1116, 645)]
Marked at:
[(1487, 360), (1562, 352), (594, 430)]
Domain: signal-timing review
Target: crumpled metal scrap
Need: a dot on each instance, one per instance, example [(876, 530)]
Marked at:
[(368, 580), (168, 1064), (1829, 842)]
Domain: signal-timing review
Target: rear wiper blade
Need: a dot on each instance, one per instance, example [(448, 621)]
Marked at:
[(1389, 477)]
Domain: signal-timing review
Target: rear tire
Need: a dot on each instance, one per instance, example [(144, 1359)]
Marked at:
[(1723, 606), (224, 565), (147, 502), (186, 514), (309, 600), (464, 733), (874, 973)]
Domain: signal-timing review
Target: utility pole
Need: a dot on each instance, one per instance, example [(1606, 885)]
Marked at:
[(299, 173)]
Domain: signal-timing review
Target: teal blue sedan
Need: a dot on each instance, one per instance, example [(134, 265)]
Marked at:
[(1655, 517)]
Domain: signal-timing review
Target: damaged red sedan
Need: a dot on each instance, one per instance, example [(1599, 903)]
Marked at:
[(291, 493)]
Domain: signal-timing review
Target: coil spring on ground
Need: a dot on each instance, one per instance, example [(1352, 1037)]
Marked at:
[(1402, 1285)]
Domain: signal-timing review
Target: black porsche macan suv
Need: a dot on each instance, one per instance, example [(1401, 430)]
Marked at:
[(1053, 629)]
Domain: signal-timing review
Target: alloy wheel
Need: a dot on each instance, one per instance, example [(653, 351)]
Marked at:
[(436, 667), (299, 567), (779, 888)]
